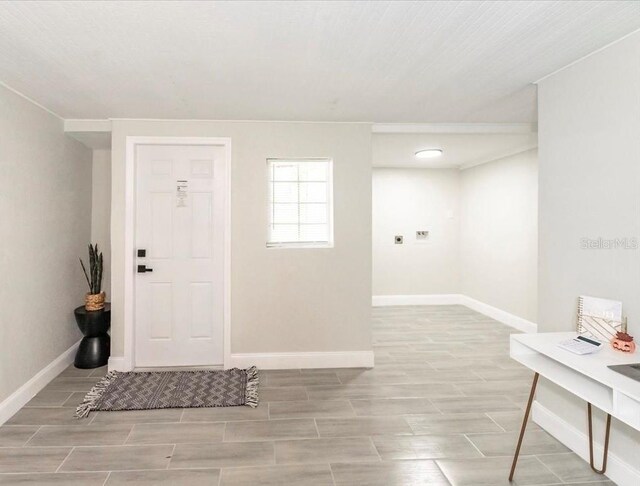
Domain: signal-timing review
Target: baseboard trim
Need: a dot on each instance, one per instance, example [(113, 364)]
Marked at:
[(284, 361), (119, 363), (26, 392), (280, 361), (499, 315), (427, 299), (619, 471), (457, 299)]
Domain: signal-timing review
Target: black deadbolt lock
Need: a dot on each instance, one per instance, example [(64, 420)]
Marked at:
[(142, 253)]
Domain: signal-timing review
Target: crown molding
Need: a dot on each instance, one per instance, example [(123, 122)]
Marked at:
[(511, 153), (87, 125), (30, 100), (580, 59), (454, 128)]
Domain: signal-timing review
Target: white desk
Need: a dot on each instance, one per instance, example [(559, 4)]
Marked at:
[(586, 376)]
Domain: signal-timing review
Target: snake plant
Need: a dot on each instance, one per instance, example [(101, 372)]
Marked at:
[(94, 277)]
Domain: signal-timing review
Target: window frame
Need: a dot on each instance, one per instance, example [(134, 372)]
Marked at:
[(330, 219)]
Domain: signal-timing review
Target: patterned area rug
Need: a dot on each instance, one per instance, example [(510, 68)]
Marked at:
[(172, 389)]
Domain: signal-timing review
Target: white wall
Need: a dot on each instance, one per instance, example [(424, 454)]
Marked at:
[(589, 135), (282, 300), (499, 234), (406, 201), (483, 233), (45, 225), (101, 211)]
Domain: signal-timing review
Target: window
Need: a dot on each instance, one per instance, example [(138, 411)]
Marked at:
[(300, 202)]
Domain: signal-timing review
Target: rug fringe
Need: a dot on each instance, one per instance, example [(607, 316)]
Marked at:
[(94, 395), (251, 395)]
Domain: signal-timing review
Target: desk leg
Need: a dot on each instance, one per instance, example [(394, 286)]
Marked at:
[(606, 443), (524, 425)]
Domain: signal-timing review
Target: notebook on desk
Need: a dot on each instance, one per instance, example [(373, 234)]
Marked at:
[(599, 318)]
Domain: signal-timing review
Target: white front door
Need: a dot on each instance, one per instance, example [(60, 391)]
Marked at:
[(180, 231)]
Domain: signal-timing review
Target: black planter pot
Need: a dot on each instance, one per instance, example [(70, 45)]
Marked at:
[(95, 346)]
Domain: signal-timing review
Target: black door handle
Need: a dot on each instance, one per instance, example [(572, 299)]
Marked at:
[(144, 269)]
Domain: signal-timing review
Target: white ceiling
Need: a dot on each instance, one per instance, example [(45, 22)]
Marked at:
[(444, 61), (460, 150)]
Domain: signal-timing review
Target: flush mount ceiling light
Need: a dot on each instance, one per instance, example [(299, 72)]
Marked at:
[(428, 153)]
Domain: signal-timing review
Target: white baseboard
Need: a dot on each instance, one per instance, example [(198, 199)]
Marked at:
[(428, 299), (499, 315), (26, 392), (457, 299), (119, 363), (620, 472), (280, 361), (283, 361)]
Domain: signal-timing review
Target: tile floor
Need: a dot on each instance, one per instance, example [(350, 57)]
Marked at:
[(441, 407)]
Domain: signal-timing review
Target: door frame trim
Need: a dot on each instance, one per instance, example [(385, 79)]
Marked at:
[(130, 232)]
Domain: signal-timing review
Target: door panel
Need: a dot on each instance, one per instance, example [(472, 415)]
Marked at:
[(201, 311), (160, 307), (180, 223), (201, 230), (161, 239)]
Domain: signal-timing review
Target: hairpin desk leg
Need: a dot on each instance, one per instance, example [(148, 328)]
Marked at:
[(606, 442), (524, 425)]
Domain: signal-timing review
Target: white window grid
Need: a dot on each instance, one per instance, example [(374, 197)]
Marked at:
[(328, 203)]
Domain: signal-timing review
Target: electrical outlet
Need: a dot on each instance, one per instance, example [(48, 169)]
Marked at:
[(398, 239), (422, 235)]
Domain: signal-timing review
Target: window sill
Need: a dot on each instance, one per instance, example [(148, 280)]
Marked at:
[(298, 246)]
